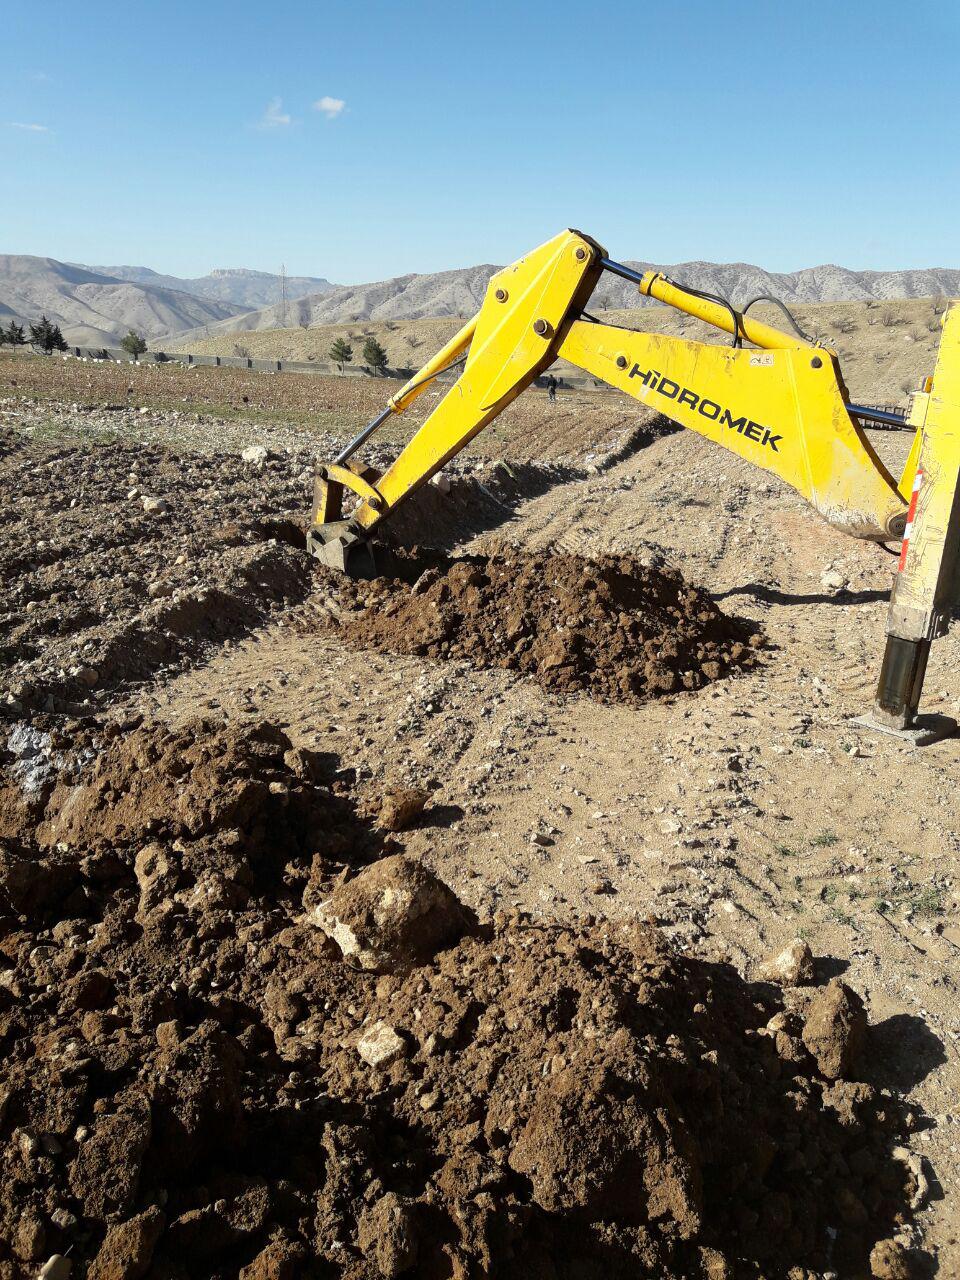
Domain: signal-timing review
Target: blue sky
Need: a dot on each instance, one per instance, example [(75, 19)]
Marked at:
[(186, 136)]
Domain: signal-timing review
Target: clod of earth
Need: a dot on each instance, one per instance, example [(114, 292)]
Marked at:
[(835, 1029), (611, 627), (890, 1260), (792, 966), (391, 916), (198, 1085), (127, 1249)]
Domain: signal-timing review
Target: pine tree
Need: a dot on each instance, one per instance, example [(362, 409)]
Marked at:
[(134, 343), (57, 341), (341, 353), (15, 335), (374, 355), (41, 335)]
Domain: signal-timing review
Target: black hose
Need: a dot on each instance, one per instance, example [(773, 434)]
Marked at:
[(735, 316), (766, 297)]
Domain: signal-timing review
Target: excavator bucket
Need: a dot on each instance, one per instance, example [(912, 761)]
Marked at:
[(332, 540), (338, 546)]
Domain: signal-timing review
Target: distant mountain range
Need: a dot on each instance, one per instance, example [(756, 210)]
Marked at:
[(94, 309), (234, 285), (97, 305), (459, 293)]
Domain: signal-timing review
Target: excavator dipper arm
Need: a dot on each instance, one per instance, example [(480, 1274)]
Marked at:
[(781, 405)]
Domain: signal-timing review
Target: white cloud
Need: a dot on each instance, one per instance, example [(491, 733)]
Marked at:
[(331, 107), (275, 117), (29, 128)]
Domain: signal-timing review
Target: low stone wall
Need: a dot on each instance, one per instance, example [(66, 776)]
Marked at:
[(565, 381), (235, 362)]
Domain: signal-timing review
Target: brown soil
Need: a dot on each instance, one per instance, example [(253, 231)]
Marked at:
[(612, 627), (184, 1095), (162, 902), (100, 592)]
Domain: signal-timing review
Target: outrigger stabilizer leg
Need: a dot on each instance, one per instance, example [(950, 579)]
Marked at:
[(926, 585)]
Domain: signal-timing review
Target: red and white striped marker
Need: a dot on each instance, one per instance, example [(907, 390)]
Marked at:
[(908, 528)]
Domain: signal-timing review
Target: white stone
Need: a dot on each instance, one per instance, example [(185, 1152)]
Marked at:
[(255, 454), (380, 1045), (56, 1267)]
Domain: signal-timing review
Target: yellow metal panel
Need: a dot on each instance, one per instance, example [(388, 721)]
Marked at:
[(928, 583), (913, 457), (506, 354), (420, 381), (782, 410)]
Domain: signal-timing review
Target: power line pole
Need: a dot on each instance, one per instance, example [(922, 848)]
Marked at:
[(283, 296)]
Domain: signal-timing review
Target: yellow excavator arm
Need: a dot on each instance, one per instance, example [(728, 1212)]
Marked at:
[(780, 403)]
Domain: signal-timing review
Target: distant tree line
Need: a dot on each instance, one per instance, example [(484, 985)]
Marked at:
[(373, 354), (44, 335)]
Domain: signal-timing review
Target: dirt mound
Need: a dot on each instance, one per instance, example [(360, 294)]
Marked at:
[(199, 1084), (611, 627)]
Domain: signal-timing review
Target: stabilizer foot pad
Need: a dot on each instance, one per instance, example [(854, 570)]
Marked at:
[(924, 730)]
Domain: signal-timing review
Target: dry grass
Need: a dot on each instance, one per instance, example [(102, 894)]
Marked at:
[(884, 347)]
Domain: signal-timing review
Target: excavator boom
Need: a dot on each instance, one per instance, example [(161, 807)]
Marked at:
[(780, 403)]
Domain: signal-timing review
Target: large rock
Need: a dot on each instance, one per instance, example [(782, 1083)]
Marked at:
[(835, 1029), (792, 966), (127, 1249), (387, 1235), (392, 916), (401, 807)]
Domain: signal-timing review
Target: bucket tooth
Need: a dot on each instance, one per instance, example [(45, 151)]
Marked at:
[(339, 546)]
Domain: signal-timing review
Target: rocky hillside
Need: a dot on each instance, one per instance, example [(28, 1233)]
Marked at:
[(96, 305), (94, 309)]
